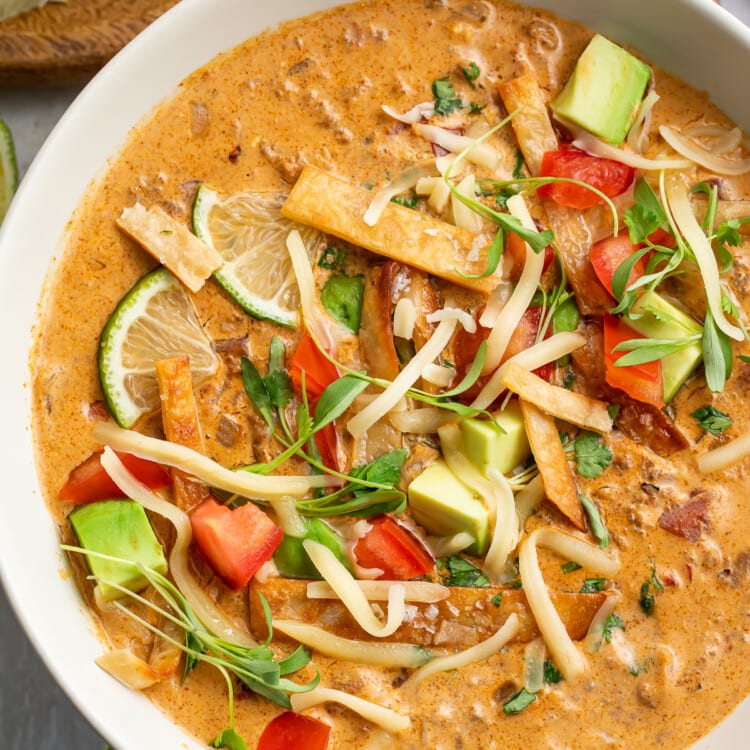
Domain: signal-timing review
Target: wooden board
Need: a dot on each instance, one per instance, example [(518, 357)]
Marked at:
[(65, 43)]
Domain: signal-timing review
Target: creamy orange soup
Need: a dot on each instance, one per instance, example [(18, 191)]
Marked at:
[(310, 93)]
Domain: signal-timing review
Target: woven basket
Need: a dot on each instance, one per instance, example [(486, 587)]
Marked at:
[(68, 42)]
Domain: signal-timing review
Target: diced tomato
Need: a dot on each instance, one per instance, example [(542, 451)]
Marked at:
[(89, 482), (235, 542), (291, 731), (393, 549), (515, 247), (608, 254), (641, 382), (610, 177), (319, 371)]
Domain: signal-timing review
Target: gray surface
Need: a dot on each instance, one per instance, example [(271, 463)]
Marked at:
[(34, 712)]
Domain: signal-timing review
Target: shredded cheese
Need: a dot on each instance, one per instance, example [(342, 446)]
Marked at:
[(463, 216), (481, 154), (480, 652), (593, 640), (406, 180), (425, 420), (528, 499), (414, 591), (415, 114), (204, 607), (404, 318), (362, 422), (548, 350), (682, 213), (244, 483), (390, 720), (567, 657), (346, 588), (636, 131), (454, 313), (510, 316), (376, 654), (699, 155), (724, 456), (288, 517), (444, 546)]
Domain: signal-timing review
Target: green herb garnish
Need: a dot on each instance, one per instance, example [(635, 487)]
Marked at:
[(460, 572), (552, 674), (592, 455), (712, 420), (332, 258), (471, 73), (593, 585), (446, 99), (521, 700), (598, 529), (613, 621)]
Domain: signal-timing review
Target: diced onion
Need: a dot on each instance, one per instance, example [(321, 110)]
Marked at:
[(342, 582), (463, 215), (454, 313), (438, 199), (480, 652), (360, 423), (405, 181), (425, 185), (541, 353), (592, 145), (129, 669), (204, 607), (244, 483), (404, 318), (510, 316), (700, 155), (496, 302), (380, 740), (444, 546), (593, 640), (724, 456), (384, 717), (533, 665), (438, 375), (415, 114), (529, 499), (379, 591), (679, 206), (481, 154), (567, 657), (288, 517), (359, 652)]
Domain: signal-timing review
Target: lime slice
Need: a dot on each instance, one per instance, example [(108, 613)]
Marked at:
[(250, 233), (153, 321), (8, 168)]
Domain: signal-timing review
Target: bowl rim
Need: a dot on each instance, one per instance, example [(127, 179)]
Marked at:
[(77, 152)]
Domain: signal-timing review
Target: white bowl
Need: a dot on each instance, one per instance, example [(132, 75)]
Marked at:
[(692, 38)]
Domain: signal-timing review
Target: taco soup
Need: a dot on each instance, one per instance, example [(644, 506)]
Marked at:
[(390, 391)]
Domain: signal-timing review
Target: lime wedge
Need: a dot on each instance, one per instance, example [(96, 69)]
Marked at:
[(250, 233), (8, 168), (154, 320)]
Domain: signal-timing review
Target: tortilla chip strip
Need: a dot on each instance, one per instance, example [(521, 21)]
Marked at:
[(589, 413), (337, 207), (532, 126), (191, 260), (466, 617), (557, 477), (179, 416), (573, 228)]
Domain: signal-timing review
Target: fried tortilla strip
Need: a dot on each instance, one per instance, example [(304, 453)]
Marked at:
[(376, 333), (573, 407), (179, 416), (574, 230), (557, 477), (191, 260), (532, 126), (337, 207), (466, 617)]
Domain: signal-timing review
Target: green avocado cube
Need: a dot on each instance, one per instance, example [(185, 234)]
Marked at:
[(500, 445), (441, 503), (605, 90), (660, 319), (119, 528)]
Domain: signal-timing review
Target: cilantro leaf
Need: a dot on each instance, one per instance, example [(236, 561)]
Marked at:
[(551, 673), (641, 222), (333, 258), (471, 73), (446, 99), (462, 573), (598, 529), (592, 455), (613, 621), (279, 388), (230, 739), (518, 168), (256, 391), (411, 201), (570, 567), (593, 585), (712, 420)]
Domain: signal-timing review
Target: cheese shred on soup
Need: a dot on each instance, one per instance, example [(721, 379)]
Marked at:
[(389, 392)]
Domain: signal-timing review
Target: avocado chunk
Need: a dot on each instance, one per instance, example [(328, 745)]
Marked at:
[(604, 92), (444, 506), (500, 445), (660, 319), (119, 528), (293, 561)]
